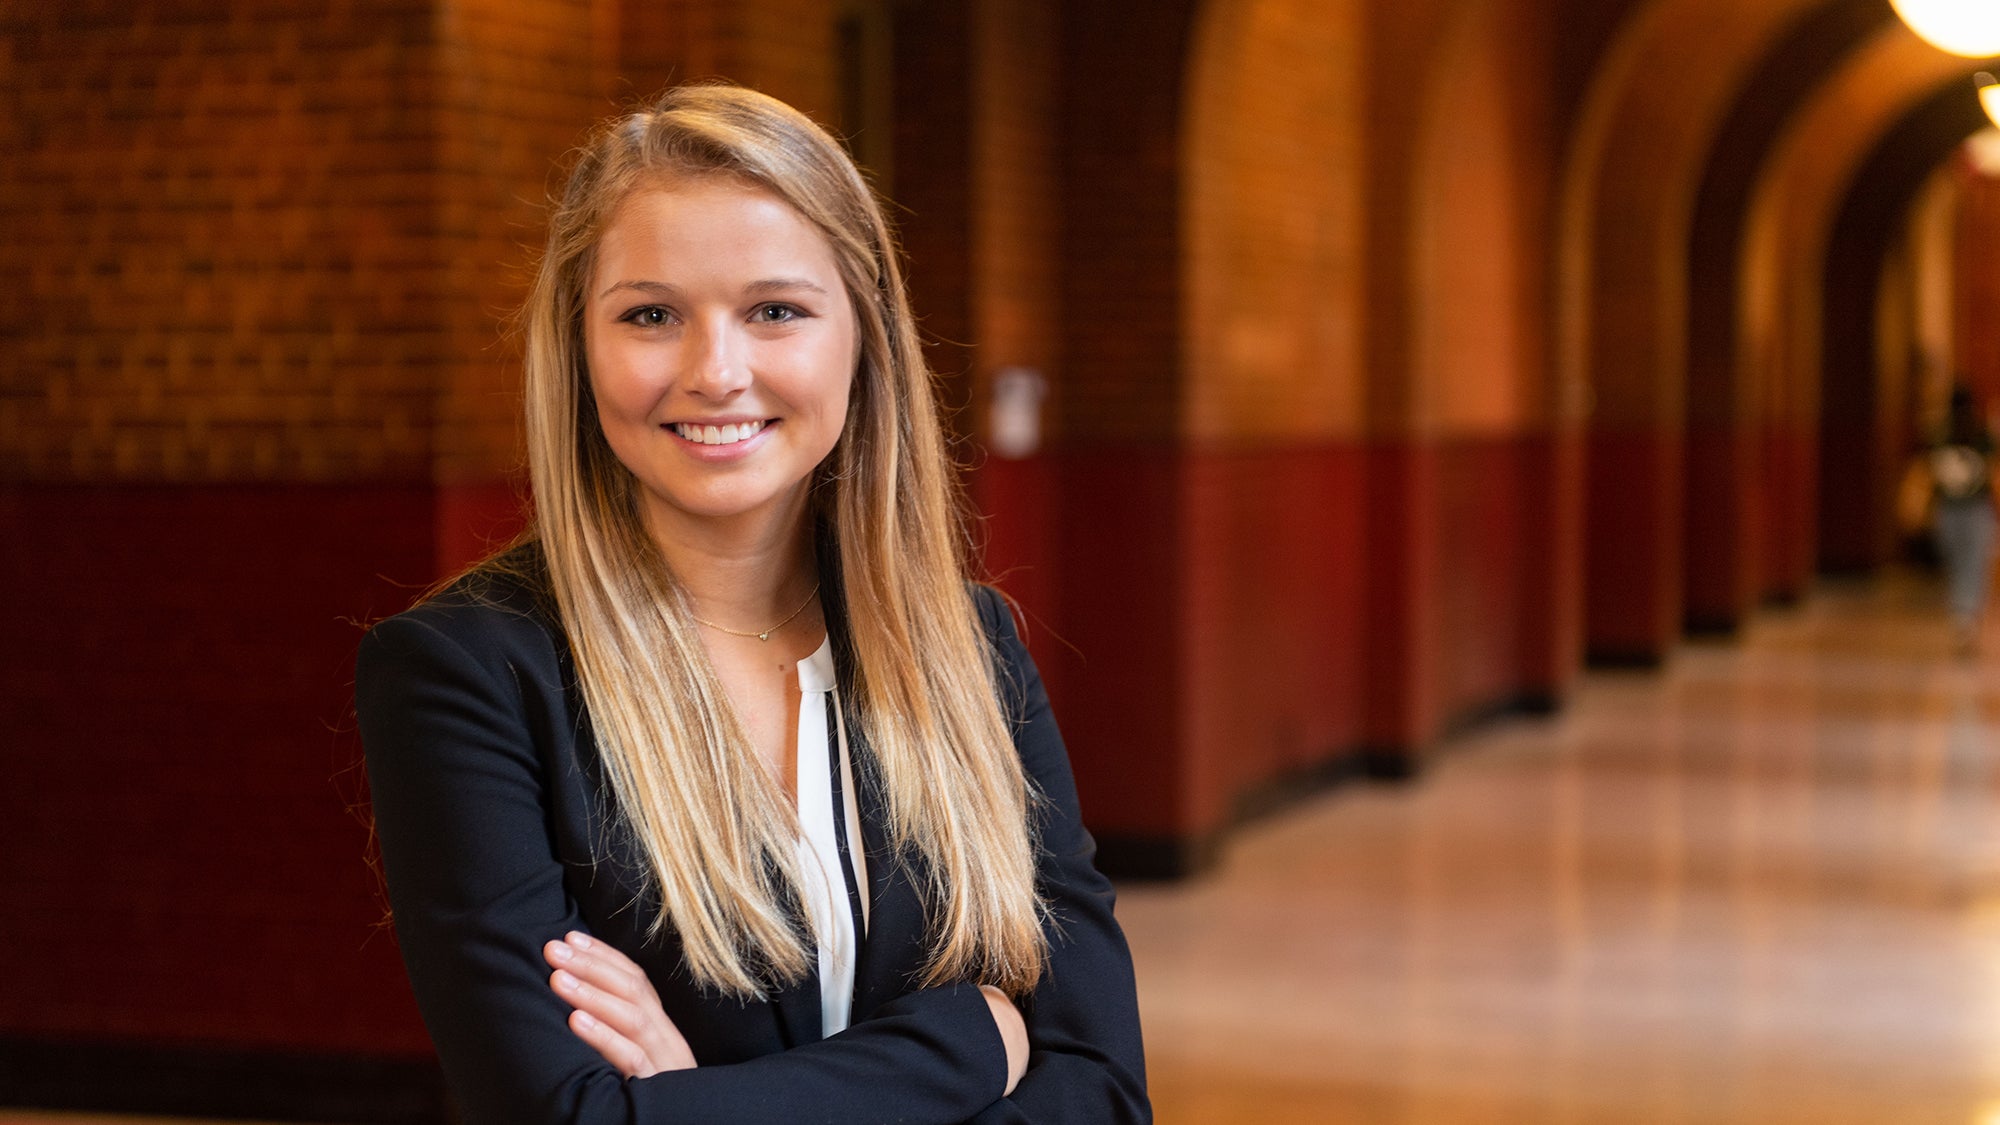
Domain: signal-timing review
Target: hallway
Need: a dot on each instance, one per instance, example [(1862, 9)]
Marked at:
[(1763, 886)]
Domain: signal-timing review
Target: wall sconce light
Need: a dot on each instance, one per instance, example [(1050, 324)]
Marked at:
[(1961, 27), (1989, 95)]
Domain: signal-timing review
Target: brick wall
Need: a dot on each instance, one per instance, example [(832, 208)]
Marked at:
[(1017, 266), (221, 221), (932, 128), (1274, 168), (518, 84), (1123, 306), (786, 48)]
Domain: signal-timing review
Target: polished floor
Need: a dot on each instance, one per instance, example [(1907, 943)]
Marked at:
[(1761, 886)]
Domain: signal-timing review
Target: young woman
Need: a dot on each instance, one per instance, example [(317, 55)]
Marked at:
[(721, 795), (1961, 464)]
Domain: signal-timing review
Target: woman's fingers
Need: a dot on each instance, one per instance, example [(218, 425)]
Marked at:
[(600, 966), (606, 986), (605, 950), (622, 1016), (629, 1059)]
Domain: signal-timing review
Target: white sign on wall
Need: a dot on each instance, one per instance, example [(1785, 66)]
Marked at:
[(1014, 424)]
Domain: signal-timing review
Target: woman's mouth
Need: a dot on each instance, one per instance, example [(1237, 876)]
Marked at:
[(718, 435)]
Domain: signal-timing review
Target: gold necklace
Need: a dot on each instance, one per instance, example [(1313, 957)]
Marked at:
[(766, 634)]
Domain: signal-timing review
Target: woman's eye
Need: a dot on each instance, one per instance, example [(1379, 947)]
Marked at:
[(775, 314), (651, 316)]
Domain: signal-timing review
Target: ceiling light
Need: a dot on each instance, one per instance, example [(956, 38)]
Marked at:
[(1962, 27)]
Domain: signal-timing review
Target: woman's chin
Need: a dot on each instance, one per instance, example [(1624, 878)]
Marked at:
[(727, 509)]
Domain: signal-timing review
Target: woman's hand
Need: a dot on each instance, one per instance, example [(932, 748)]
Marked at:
[(1013, 1032), (617, 1011)]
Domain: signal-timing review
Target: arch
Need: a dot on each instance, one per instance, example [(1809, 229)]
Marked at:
[(1858, 460), (1779, 292), (1725, 529), (1479, 392), (1271, 403), (1627, 198)]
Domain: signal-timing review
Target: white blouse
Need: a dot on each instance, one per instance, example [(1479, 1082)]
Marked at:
[(830, 848)]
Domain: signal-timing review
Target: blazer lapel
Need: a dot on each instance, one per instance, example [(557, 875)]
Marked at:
[(896, 944), (796, 1010)]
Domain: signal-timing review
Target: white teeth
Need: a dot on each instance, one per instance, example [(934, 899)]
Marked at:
[(718, 435)]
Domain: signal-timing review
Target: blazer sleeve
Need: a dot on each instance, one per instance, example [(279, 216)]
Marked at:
[(1086, 1061), (476, 887)]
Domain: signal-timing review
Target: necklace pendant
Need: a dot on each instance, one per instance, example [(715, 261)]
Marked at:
[(763, 636)]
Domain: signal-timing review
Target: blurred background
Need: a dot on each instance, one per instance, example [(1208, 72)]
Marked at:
[(1351, 389)]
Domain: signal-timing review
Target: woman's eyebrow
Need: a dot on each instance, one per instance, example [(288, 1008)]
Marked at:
[(650, 288), (783, 284)]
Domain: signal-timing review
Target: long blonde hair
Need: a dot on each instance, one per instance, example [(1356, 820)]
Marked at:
[(716, 831)]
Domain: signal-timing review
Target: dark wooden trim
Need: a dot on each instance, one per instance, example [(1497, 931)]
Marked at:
[(1131, 858), (1147, 859), (1394, 764), (1712, 624), (220, 1082), (1160, 858), (1625, 659)]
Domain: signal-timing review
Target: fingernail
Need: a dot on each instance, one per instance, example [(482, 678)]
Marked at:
[(565, 982), (561, 951), (584, 1020), (579, 939)]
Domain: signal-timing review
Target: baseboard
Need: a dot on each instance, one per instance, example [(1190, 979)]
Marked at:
[(1625, 659), (1397, 765), (1540, 702), (1712, 626), (1144, 859), (218, 1082), (1159, 858)]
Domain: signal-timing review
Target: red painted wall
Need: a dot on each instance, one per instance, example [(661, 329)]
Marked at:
[(184, 855), (1274, 591), (1483, 495), (1725, 530), (1116, 656), (1634, 512), (1791, 480)]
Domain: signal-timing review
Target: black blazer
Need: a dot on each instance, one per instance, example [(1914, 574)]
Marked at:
[(496, 838)]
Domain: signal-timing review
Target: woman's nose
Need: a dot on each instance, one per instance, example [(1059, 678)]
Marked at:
[(718, 362)]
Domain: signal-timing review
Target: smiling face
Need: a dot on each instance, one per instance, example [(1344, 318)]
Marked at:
[(721, 346)]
